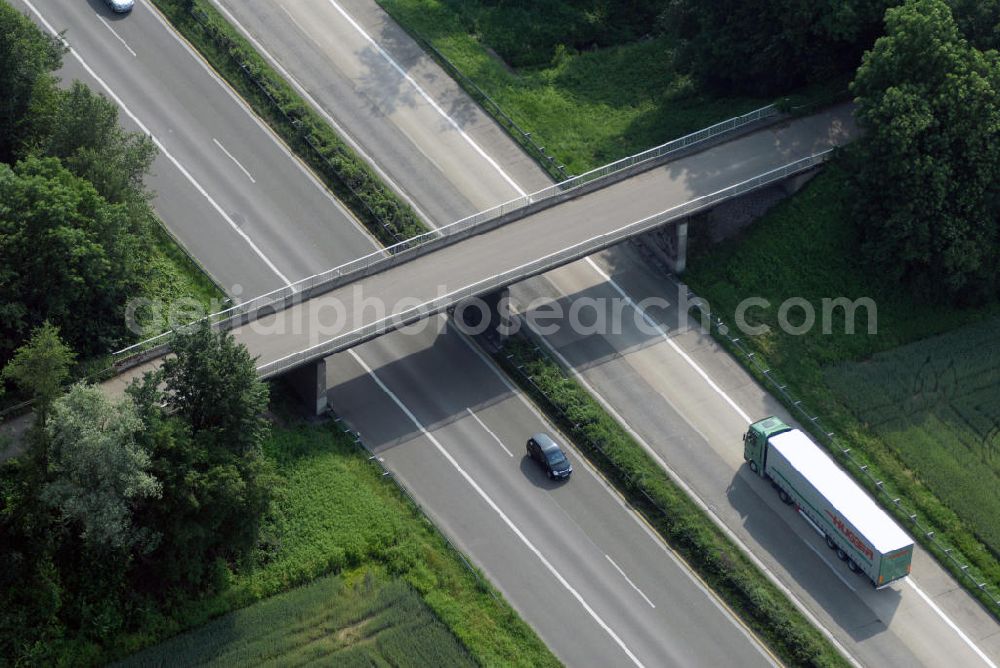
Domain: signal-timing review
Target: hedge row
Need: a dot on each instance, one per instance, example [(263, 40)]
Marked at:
[(685, 527), (382, 212)]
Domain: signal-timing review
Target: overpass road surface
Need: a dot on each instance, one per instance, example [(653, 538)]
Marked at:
[(345, 55), (598, 587)]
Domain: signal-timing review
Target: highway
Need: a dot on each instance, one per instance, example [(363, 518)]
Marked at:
[(679, 393), (590, 578), (256, 216)]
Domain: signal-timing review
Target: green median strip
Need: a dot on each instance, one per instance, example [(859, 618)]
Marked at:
[(381, 211), (648, 488)]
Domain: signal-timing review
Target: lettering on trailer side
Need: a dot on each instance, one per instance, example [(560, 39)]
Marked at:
[(851, 536)]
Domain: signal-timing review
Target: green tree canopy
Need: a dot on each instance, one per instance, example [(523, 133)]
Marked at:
[(82, 130), (206, 449), (66, 256), (41, 367), (98, 471), (773, 46), (927, 172), (27, 58)]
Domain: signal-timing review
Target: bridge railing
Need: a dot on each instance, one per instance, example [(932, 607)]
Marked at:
[(541, 265), (287, 294)]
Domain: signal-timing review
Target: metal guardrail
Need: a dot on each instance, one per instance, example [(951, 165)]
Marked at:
[(942, 551), (282, 296), (541, 265)]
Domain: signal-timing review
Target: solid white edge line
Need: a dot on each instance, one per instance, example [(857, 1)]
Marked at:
[(718, 390), (656, 538), (677, 480), (233, 158), (743, 414), (952, 624), (489, 431), (159, 144), (341, 131), (629, 581), (115, 33), (266, 129), (492, 504), (429, 100)]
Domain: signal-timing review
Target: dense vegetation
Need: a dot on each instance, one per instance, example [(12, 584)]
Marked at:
[(122, 507), (77, 235), (927, 168)]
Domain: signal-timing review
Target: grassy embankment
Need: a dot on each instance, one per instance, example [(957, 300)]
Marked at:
[(393, 577), (587, 107), (919, 400)]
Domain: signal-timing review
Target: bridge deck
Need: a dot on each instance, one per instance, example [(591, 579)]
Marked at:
[(317, 324)]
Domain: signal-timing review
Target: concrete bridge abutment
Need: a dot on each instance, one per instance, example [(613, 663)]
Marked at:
[(487, 315), (309, 383)]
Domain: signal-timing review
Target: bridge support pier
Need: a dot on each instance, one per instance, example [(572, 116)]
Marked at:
[(309, 382), (669, 244), (488, 315)]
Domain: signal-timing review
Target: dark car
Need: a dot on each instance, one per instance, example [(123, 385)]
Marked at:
[(550, 456)]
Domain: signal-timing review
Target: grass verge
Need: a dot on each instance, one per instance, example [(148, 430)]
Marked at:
[(335, 514), (386, 216), (361, 619), (675, 516), (931, 439), (585, 107)]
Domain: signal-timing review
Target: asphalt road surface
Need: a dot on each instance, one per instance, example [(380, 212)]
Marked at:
[(231, 192), (574, 561), (350, 45)]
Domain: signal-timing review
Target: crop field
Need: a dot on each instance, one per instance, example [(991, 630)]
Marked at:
[(334, 520), (937, 404), (373, 621)]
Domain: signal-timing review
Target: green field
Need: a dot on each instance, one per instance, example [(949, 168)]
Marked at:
[(335, 514), (937, 404), (370, 621), (921, 411), (586, 106)]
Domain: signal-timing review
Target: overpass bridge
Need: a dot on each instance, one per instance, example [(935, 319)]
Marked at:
[(294, 329)]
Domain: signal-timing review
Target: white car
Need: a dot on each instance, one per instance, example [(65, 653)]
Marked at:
[(120, 6)]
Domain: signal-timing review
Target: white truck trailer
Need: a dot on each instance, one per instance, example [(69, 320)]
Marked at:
[(860, 531)]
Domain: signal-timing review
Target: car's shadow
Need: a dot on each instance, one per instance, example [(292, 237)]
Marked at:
[(536, 475)]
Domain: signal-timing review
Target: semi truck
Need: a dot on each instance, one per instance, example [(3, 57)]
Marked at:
[(861, 533)]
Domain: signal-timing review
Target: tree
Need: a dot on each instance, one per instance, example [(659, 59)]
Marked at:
[(773, 46), (98, 471), (41, 367), (212, 384), (27, 58), (205, 430), (66, 256), (83, 132), (927, 168)]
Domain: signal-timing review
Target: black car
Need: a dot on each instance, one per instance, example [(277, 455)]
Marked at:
[(550, 456)]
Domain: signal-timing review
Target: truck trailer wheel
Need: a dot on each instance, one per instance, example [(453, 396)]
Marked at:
[(853, 566), (830, 544), (841, 554), (753, 466), (783, 495)]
